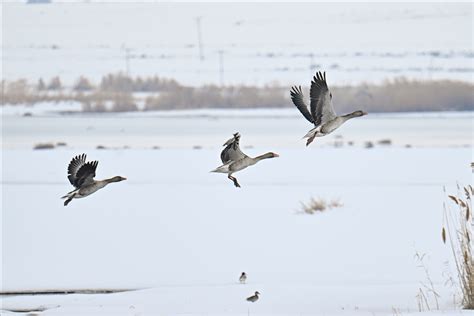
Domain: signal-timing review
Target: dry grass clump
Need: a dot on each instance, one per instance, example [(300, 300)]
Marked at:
[(385, 141), (319, 205), (457, 229), (427, 297), (44, 146)]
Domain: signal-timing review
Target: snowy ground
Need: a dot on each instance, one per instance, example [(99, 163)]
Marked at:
[(183, 236), (260, 43)]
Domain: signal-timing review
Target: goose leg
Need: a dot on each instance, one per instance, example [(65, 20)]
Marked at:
[(310, 140), (234, 180), (69, 199)]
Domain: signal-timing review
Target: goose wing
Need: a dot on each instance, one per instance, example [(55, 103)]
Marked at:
[(321, 105), (232, 150), (298, 101), (81, 172)]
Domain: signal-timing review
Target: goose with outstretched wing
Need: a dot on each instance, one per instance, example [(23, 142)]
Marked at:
[(234, 159), (81, 175), (232, 150), (321, 112)]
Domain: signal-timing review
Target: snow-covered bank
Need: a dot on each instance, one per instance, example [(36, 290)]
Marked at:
[(187, 234)]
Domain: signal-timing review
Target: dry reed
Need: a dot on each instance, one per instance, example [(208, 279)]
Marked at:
[(458, 225), (319, 205)]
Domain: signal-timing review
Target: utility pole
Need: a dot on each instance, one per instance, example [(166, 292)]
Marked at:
[(312, 66), (127, 61), (221, 67), (201, 52)]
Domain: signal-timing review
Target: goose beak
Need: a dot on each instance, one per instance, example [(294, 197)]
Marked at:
[(276, 155), (364, 113)]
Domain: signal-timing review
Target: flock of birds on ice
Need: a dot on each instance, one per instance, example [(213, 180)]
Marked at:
[(320, 113)]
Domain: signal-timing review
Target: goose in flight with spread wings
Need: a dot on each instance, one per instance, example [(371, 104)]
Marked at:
[(322, 113), (81, 175), (234, 159)]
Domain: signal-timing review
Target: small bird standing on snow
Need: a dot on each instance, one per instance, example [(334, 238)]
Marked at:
[(322, 113), (81, 175), (243, 278), (254, 297), (234, 159)]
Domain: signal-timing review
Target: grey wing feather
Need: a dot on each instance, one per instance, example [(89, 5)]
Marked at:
[(80, 172), (298, 101), (232, 150), (85, 175), (321, 105), (74, 166)]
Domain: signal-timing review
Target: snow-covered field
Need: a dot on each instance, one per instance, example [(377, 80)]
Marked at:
[(179, 236), (182, 235), (260, 42)]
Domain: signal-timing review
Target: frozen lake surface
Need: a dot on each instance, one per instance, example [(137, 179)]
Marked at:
[(276, 128), (183, 236)]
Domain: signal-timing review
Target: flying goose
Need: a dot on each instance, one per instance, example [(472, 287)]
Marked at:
[(81, 175), (234, 159), (254, 297), (243, 278), (322, 113)]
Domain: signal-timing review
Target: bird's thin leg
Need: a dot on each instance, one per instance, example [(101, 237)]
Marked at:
[(69, 200), (310, 140), (234, 180)]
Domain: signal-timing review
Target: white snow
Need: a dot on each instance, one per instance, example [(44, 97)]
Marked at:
[(180, 235), (261, 43), (183, 235)]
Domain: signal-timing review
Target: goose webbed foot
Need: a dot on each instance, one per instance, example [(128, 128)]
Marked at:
[(234, 180)]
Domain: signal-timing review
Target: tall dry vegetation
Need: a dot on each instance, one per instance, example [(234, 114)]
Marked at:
[(402, 95), (457, 229), (212, 96), (391, 96)]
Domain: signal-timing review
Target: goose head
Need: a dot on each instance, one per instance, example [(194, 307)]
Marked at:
[(358, 113), (257, 293), (117, 179)]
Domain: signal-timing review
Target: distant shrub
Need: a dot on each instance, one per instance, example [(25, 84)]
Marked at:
[(319, 205), (123, 102), (44, 146), (55, 84), (41, 85), (386, 142), (368, 144), (16, 92), (211, 96), (83, 84), (117, 82)]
